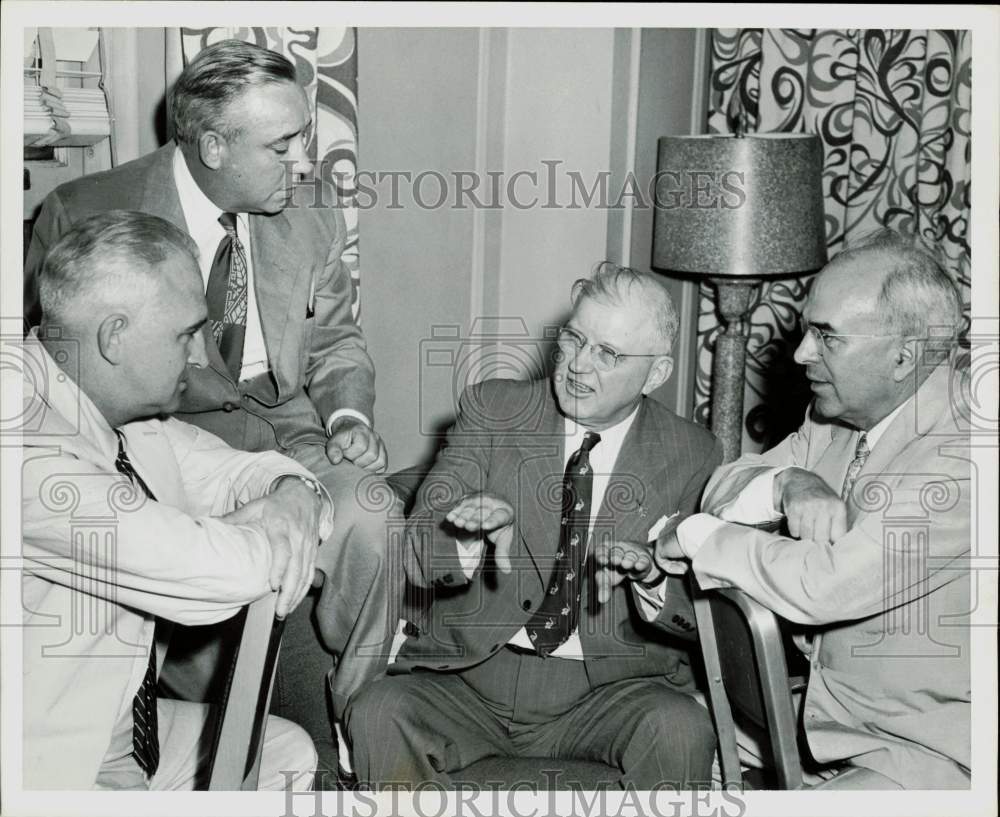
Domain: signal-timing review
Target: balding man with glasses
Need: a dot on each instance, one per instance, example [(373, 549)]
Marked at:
[(876, 489), (534, 646)]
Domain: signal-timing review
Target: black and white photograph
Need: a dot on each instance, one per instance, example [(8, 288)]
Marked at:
[(499, 409)]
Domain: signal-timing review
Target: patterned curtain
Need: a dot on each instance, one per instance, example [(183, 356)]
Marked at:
[(893, 111), (326, 60)]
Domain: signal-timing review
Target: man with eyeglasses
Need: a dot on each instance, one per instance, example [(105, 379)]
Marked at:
[(875, 487), (533, 646)]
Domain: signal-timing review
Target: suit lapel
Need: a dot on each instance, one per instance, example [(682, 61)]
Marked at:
[(638, 487), (279, 271), (159, 198), (539, 485)]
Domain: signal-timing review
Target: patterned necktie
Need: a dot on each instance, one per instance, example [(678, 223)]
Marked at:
[(557, 616), (861, 453), (145, 726), (227, 296)]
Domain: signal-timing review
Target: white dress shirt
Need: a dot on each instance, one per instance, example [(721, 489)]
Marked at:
[(202, 218), (602, 463)]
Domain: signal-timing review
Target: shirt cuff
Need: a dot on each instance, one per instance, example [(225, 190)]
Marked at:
[(693, 531), (345, 412), (649, 599), (317, 487), (469, 555), (755, 503)]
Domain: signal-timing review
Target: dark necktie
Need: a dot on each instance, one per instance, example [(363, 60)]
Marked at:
[(226, 295), (861, 453), (558, 614), (145, 738)]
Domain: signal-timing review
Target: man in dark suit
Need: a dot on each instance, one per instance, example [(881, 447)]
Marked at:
[(528, 649), (287, 365)]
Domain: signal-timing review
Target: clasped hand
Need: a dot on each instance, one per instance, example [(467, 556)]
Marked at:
[(813, 510), (289, 519)]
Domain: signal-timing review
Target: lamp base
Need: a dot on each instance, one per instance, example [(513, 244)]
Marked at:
[(735, 300)]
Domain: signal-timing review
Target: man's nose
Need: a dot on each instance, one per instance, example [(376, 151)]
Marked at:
[(808, 349), (577, 362), (198, 356), (301, 164)]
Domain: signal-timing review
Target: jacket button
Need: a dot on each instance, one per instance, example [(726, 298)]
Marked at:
[(526, 604), (229, 406)]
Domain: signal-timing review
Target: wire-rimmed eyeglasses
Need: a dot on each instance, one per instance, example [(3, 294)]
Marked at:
[(605, 358)]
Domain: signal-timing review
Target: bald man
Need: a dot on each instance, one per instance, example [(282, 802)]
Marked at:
[(876, 489)]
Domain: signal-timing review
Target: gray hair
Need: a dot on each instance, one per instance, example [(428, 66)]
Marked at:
[(918, 297), (103, 258), (217, 76), (613, 283)]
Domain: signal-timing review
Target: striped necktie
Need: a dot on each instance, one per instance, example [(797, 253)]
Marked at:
[(145, 737), (557, 616)]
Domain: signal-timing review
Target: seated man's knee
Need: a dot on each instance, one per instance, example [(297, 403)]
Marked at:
[(364, 505)]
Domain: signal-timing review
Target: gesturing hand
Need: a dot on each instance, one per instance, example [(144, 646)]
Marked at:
[(352, 440), (490, 515), (288, 518), (620, 560), (811, 507)]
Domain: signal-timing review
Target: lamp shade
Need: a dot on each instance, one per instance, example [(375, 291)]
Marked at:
[(739, 206)]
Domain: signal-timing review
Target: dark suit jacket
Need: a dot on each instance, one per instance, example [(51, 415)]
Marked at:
[(508, 440), (318, 361)]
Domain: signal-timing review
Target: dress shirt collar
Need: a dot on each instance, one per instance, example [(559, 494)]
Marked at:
[(611, 438), (62, 394), (201, 214), (873, 435)]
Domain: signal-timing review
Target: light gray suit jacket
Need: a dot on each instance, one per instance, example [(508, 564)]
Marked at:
[(889, 685), (319, 362)]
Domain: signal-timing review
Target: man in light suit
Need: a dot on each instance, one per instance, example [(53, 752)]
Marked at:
[(527, 649), (287, 366), (128, 518), (876, 490)]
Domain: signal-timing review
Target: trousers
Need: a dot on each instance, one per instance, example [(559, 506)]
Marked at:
[(427, 726)]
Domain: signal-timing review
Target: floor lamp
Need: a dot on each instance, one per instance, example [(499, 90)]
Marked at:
[(736, 210)]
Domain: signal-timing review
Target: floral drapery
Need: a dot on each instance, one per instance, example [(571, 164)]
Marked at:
[(892, 108), (326, 61)]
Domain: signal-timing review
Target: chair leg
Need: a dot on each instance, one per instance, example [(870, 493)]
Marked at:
[(722, 715)]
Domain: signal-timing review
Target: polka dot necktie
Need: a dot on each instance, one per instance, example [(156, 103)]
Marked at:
[(558, 614), (145, 737), (226, 295)]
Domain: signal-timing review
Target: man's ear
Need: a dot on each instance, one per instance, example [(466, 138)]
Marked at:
[(110, 338), (211, 149), (658, 373), (905, 361)]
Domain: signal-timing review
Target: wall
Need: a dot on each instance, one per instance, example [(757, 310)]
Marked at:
[(548, 102)]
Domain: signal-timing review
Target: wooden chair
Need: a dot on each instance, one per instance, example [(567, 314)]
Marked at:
[(743, 650), (239, 727)]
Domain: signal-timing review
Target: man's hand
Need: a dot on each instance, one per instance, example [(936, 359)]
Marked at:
[(490, 515), (288, 518), (668, 554), (352, 440), (811, 507), (620, 560)]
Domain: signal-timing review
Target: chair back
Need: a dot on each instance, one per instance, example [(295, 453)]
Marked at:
[(743, 650), (239, 733)]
